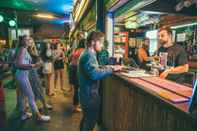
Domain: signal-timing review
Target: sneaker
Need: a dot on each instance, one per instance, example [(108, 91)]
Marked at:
[(77, 109), (26, 116), (49, 107), (44, 118)]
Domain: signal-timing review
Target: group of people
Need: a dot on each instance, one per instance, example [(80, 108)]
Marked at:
[(25, 63), (27, 66), (87, 65), (89, 69), (176, 56), (53, 68)]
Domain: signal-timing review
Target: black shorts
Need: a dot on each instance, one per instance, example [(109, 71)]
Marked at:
[(59, 64)]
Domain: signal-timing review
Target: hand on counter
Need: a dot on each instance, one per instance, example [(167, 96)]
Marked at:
[(116, 68), (165, 73)]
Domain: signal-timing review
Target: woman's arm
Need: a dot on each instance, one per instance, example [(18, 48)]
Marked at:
[(62, 56), (19, 61)]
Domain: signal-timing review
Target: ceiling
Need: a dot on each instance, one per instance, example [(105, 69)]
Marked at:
[(151, 13), (61, 9)]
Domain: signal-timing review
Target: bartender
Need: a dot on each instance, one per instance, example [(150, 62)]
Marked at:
[(177, 57), (143, 54)]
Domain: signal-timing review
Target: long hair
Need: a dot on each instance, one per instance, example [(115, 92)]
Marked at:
[(21, 43), (33, 50)]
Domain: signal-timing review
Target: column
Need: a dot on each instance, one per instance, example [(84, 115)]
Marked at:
[(109, 28)]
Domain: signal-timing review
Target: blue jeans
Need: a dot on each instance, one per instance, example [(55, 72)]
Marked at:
[(36, 85), (91, 112), (22, 78)]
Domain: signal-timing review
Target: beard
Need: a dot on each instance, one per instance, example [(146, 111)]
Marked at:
[(161, 42), (98, 50)]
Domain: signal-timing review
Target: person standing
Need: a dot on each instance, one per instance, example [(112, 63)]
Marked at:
[(34, 77), (3, 118), (143, 54), (24, 65), (59, 65), (48, 71), (89, 73), (176, 59), (74, 78), (11, 59)]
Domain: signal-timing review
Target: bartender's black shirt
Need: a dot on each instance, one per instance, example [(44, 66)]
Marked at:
[(176, 57)]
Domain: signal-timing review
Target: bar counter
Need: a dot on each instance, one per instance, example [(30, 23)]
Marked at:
[(192, 64), (145, 104)]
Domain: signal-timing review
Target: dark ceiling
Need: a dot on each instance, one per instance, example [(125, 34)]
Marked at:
[(169, 6)]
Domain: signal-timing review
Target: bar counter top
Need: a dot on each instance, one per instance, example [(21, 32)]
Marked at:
[(175, 94)]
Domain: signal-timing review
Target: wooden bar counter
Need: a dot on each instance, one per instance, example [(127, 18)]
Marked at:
[(145, 104)]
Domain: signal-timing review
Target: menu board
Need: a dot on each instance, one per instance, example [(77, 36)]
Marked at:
[(181, 37), (121, 37)]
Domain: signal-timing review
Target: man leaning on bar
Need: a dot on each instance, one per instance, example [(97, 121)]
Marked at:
[(177, 57)]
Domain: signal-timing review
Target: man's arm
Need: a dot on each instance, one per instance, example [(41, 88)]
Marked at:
[(182, 68), (175, 70), (93, 71), (143, 55), (179, 69)]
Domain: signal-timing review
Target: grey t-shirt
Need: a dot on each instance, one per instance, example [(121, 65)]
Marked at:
[(177, 56)]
